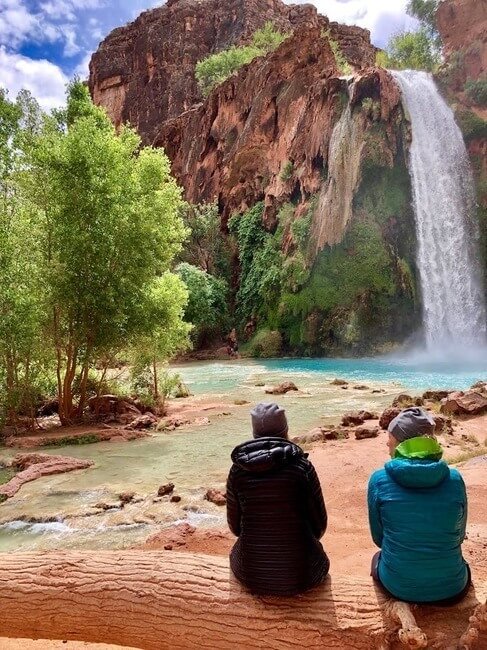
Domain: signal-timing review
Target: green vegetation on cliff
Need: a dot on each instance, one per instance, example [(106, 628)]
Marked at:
[(357, 296), (214, 69)]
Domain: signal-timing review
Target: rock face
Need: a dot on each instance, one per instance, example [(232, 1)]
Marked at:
[(264, 134), (143, 73), (463, 28)]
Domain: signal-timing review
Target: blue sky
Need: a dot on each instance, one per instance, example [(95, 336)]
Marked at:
[(43, 43)]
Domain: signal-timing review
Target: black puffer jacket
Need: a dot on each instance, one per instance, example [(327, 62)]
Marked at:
[(275, 506)]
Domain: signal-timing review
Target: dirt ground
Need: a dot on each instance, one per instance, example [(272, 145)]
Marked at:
[(344, 468)]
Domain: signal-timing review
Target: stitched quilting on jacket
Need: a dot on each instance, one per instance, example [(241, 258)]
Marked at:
[(275, 507)]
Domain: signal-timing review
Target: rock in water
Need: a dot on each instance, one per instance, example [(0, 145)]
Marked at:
[(282, 389), (165, 489), (216, 496)]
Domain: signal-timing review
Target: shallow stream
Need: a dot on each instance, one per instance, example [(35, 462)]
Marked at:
[(195, 458)]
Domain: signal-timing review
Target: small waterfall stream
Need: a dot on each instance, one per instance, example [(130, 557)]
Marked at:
[(454, 311)]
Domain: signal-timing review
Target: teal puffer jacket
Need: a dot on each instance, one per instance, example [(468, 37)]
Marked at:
[(418, 515)]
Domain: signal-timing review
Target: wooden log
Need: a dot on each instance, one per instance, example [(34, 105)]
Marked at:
[(176, 601)]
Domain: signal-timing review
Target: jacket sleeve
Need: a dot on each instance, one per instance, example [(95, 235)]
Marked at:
[(463, 528), (375, 521), (233, 505), (316, 508)]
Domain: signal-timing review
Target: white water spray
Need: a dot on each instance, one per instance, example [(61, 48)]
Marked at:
[(454, 311)]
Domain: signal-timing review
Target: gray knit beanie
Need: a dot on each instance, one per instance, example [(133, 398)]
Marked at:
[(411, 423), (269, 420)]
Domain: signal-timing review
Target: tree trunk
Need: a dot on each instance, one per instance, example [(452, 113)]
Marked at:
[(177, 601)]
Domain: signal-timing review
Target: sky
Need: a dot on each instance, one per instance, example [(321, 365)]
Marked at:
[(44, 43)]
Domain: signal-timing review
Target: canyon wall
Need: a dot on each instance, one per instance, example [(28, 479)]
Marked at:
[(143, 73)]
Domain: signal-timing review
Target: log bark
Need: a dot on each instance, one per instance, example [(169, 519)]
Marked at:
[(177, 601)]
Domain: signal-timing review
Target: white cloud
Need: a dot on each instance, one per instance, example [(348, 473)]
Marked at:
[(82, 69), (383, 19), (45, 80)]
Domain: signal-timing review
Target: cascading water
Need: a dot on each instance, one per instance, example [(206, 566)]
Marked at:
[(454, 312)]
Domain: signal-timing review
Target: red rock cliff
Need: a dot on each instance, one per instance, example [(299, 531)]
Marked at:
[(264, 133), (463, 28), (143, 73)]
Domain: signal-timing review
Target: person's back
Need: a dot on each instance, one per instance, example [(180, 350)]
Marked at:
[(418, 513), (275, 507)]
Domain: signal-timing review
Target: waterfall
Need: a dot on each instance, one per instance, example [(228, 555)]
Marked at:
[(448, 259)]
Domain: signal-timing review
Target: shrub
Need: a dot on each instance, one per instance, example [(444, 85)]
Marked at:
[(266, 344), (260, 264), (207, 306), (214, 69), (472, 125), (476, 91), (342, 64), (287, 171)]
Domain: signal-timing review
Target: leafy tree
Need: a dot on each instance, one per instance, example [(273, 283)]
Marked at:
[(425, 12), (110, 226), (214, 69), (207, 306), (413, 50), (21, 308), (165, 331), (205, 247)]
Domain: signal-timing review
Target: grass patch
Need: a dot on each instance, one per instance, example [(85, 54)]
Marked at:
[(468, 455), (88, 439), (5, 475)]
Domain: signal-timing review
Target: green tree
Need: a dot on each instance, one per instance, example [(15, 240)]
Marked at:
[(413, 50), (164, 332), (425, 12), (110, 226), (205, 247), (214, 69), (207, 307), (21, 307)]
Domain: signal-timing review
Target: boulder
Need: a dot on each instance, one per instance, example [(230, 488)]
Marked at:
[(336, 434), (464, 403), (165, 489), (404, 400), (282, 389), (175, 498), (361, 387), (315, 435), (366, 431), (49, 407), (216, 496), (479, 386), (146, 421), (443, 424), (126, 497), (339, 382), (357, 417), (435, 395), (387, 416)]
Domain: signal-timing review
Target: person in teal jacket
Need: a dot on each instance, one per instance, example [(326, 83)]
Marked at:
[(418, 515)]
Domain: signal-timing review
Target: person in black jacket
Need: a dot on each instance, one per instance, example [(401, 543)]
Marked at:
[(276, 509)]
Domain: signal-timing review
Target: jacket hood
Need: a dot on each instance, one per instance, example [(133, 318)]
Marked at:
[(416, 473), (266, 454)]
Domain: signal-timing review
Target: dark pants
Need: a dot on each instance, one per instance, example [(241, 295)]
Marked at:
[(447, 602)]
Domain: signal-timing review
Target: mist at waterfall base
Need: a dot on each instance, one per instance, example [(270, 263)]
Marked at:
[(448, 253)]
